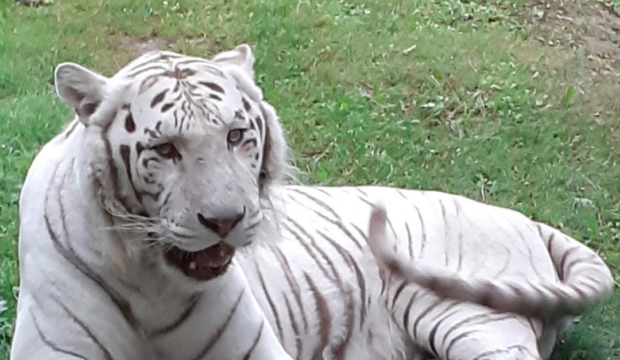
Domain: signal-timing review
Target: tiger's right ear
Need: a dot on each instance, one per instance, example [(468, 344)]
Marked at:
[(80, 88), (242, 56)]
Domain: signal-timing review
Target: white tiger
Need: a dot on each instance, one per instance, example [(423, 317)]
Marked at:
[(130, 217), (171, 155)]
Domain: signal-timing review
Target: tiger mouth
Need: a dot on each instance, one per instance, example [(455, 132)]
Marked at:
[(202, 265)]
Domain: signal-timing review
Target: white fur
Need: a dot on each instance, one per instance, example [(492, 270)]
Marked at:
[(311, 237)]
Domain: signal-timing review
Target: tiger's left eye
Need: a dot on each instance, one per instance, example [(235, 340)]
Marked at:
[(166, 150), (235, 136)]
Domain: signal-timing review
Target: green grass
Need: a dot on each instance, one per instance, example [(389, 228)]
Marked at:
[(435, 94)]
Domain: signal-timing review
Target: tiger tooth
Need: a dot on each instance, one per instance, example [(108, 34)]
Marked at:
[(192, 265)]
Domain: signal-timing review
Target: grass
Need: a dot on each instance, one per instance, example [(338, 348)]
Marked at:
[(458, 96)]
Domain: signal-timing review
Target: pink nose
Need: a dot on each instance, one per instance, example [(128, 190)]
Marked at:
[(222, 226)]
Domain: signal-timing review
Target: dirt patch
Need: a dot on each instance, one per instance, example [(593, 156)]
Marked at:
[(580, 24), (140, 45)]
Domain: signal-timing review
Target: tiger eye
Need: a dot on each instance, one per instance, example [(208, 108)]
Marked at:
[(235, 136), (166, 150)]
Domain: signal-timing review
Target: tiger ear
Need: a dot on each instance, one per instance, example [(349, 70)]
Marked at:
[(241, 56), (80, 88), (276, 153)]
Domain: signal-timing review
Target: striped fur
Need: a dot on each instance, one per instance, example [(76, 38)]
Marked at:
[(156, 157), (324, 293), (303, 283), (583, 278)]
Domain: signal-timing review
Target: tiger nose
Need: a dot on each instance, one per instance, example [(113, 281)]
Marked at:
[(222, 226)]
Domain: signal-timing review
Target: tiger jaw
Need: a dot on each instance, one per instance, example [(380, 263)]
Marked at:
[(202, 265)]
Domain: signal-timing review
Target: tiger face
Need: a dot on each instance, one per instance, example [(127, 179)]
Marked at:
[(185, 147)]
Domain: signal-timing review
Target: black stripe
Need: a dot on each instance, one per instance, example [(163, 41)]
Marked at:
[(409, 240), (270, 301), (422, 230), (338, 222), (325, 318), (71, 129), (178, 322), (259, 125), (142, 62), (178, 73), (397, 294), (166, 107), (408, 311), (346, 256), (218, 334), (569, 266), (125, 151), (145, 69), (399, 192), (213, 86), (130, 125), (308, 248), (158, 98), (433, 332), (340, 349), (550, 243), (106, 353), (72, 257), (423, 315), (248, 355), (288, 272), (291, 315), (112, 165), (50, 344), (253, 225), (246, 104), (563, 262), (485, 317)]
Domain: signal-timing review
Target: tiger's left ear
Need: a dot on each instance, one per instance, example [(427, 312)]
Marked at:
[(242, 56), (80, 88)]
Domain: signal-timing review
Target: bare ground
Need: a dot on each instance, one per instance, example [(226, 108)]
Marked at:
[(591, 30), (140, 45), (594, 26)]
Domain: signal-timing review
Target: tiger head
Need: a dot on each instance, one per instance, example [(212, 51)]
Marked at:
[(181, 147)]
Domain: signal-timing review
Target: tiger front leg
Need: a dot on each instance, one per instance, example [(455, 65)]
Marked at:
[(46, 329)]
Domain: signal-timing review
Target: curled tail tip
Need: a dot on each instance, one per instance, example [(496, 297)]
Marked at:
[(376, 226), (378, 212), (376, 229)]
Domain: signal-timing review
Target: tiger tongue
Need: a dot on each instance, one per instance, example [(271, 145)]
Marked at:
[(214, 256)]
